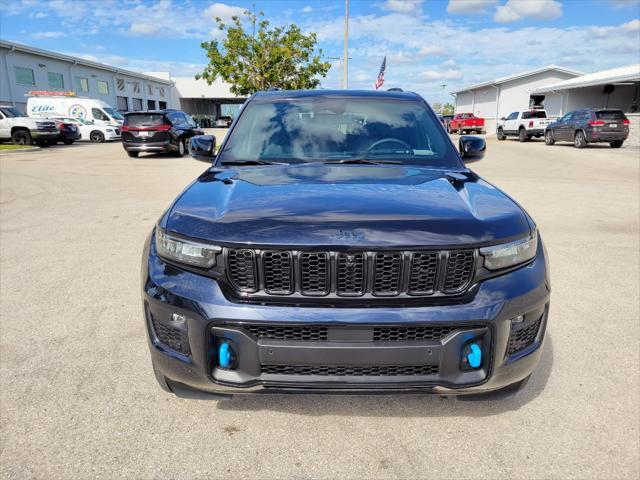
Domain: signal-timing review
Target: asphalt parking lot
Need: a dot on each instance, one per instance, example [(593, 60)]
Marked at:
[(78, 398)]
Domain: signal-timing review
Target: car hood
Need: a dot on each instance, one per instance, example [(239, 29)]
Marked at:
[(345, 205)]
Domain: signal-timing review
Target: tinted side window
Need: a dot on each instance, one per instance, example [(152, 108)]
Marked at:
[(513, 116), (178, 119)]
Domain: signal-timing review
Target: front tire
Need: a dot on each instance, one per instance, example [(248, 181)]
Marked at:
[(501, 135), (69, 142), (96, 136), (616, 144), (133, 154), (21, 137), (548, 138), (579, 141), (522, 135)]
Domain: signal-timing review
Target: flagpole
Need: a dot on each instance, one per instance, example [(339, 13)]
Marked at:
[(345, 65)]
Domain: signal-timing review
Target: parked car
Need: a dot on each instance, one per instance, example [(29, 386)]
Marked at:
[(94, 133), (62, 104), (157, 131), (524, 125), (22, 130), (589, 125), (69, 132), (338, 243), (466, 123), (223, 122)]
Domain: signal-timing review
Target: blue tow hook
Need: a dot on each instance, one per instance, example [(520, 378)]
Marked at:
[(224, 355), (474, 357)]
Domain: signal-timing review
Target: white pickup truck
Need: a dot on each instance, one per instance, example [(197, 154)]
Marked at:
[(524, 125), (22, 130)]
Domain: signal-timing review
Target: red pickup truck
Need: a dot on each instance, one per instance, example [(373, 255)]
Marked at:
[(466, 123)]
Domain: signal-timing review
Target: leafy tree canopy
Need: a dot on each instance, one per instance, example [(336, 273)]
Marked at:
[(272, 57)]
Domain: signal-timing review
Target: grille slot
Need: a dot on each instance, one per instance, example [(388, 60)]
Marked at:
[(391, 334), (424, 268), (459, 270), (387, 273), (285, 332), (350, 274), (171, 337), (355, 371), (241, 266), (314, 277), (277, 272), (521, 339)]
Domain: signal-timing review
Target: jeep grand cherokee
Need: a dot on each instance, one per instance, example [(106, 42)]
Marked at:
[(338, 243)]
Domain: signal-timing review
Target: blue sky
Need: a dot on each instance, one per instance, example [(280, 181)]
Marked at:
[(427, 43)]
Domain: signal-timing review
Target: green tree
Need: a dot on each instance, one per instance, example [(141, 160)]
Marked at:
[(278, 57), (448, 109)]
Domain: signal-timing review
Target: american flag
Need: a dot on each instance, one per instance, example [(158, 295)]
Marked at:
[(380, 79)]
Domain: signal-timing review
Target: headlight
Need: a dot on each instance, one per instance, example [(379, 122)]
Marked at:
[(509, 254), (110, 130), (186, 251)]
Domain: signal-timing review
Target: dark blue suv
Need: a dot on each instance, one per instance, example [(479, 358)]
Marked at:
[(338, 243)]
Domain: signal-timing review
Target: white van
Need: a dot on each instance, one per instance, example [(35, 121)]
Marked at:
[(89, 109)]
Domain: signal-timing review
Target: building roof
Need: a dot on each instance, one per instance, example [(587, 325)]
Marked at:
[(615, 75), (19, 47), (517, 76), (189, 87)]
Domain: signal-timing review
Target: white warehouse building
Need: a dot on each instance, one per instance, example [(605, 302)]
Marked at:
[(498, 98), (24, 68)]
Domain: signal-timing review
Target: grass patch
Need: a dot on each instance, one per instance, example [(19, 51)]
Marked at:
[(13, 147)]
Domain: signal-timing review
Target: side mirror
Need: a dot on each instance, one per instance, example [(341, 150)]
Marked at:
[(472, 147), (503, 118), (203, 147)]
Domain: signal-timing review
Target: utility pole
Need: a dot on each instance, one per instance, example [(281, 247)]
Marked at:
[(444, 85), (345, 65)]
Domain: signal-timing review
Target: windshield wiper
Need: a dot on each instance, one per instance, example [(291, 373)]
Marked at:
[(363, 160), (252, 162)]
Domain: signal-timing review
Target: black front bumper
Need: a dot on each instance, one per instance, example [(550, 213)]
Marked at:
[(348, 359)]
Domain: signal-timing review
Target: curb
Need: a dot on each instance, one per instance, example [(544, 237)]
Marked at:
[(20, 150)]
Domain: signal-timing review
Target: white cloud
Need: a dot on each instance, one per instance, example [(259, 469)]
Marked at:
[(403, 6), (143, 28), (618, 4), (432, 50), (448, 74), (41, 35), (515, 10), (223, 11), (449, 63), (469, 7), (307, 9), (632, 26)]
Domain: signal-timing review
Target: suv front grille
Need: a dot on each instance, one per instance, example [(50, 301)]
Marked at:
[(381, 274), (355, 371)]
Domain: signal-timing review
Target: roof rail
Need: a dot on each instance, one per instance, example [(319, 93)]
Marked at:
[(395, 89)]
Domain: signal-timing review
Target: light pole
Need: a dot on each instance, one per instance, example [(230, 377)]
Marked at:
[(345, 65)]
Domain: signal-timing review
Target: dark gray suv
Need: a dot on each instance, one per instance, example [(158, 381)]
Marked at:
[(589, 125)]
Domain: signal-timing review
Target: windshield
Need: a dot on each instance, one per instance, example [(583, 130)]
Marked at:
[(144, 119), (113, 113), (11, 112), (316, 129), (534, 114), (610, 115)]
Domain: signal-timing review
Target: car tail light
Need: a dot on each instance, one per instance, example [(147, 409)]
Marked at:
[(626, 121), (596, 123), (125, 128)]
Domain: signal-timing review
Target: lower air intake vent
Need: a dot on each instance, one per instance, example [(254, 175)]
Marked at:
[(354, 371), (171, 337), (521, 339)]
